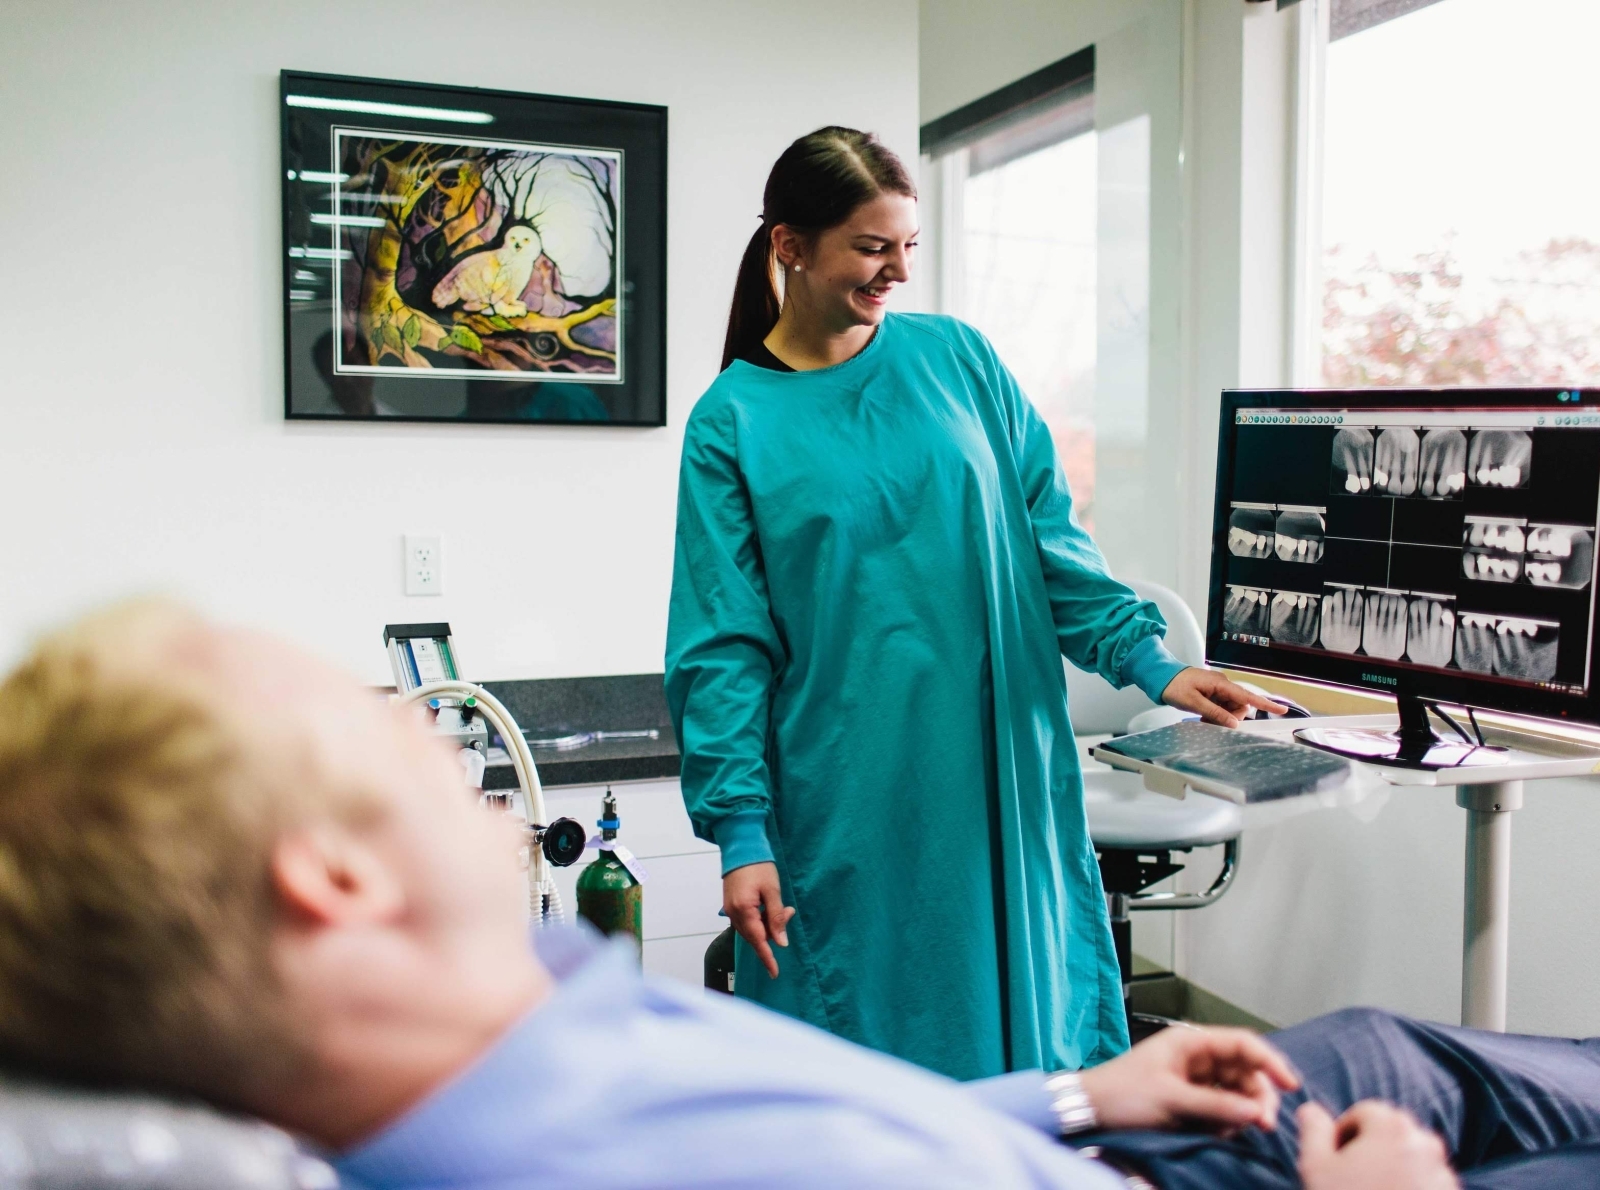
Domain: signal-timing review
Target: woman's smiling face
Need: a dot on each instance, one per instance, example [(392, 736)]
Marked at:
[(847, 272)]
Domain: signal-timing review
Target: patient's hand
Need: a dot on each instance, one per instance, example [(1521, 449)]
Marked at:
[(1373, 1146), (1225, 1079)]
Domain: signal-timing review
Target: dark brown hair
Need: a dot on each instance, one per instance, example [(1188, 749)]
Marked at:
[(817, 183)]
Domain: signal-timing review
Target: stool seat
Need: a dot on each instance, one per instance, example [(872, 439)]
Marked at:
[(1124, 814)]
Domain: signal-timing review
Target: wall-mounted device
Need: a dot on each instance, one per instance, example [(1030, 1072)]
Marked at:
[(420, 653)]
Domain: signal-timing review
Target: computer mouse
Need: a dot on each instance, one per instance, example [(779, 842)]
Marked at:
[(1294, 711)]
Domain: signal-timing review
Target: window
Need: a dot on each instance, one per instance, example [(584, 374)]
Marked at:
[(1460, 232), (1043, 244), (1028, 259), (1051, 220)]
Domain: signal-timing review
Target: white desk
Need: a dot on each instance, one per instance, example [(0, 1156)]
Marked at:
[(1489, 795)]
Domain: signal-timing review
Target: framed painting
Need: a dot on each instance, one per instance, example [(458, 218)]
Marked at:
[(457, 254)]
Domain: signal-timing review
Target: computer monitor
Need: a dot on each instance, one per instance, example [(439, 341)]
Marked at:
[(1437, 545)]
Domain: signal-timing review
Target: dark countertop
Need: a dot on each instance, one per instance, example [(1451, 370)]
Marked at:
[(554, 707)]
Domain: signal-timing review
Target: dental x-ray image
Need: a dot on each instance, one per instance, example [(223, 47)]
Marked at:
[(1251, 530), (1430, 629), (1394, 461), (1492, 548), (1442, 473), (1510, 646), (1399, 461), (1499, 458), (1341, 619), (1475, 642), (1352, 461), (1294, 618), (1559, 556), (1300, 533), (1383, 631), (1526, 649), (1437, 551), (1245, 611)]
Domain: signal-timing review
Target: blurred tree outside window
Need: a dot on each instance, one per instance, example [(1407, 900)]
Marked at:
[(1460, 224)]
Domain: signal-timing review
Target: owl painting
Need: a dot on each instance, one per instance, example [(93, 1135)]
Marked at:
[(493, 279), (499, 261)]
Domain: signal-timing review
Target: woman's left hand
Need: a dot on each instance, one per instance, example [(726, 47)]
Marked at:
[(1214, 698)]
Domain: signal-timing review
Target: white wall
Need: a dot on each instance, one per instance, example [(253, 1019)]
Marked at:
[(969, 50), (142, 442)]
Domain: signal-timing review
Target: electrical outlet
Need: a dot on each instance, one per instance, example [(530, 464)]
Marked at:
[(424, 565)]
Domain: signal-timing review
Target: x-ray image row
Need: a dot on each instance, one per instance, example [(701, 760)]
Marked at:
[(1507, 645), (1434, 464), (1508, 549), (1421, 627), (1388, 625), (1296, 533), (1400, 461), (1245, 611)]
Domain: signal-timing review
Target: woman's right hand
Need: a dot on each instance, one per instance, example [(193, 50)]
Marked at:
[(753, 900)]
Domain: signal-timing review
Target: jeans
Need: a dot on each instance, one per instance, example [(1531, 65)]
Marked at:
[(1514, 1111)]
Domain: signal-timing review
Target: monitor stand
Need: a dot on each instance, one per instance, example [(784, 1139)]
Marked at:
[(1489, 778), (1414, 746)]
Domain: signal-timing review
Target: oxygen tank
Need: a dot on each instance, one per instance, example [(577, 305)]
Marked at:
[(611, 888), (719, 962)]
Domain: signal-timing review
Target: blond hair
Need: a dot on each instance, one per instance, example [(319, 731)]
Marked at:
[(136, 907)]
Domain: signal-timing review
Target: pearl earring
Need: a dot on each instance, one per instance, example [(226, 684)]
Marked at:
[(797, 268)]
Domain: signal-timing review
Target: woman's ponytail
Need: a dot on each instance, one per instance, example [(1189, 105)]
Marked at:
[(755, 300), (817, 183)]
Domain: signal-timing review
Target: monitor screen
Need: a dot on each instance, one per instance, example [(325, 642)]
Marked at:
[(1431, 543)]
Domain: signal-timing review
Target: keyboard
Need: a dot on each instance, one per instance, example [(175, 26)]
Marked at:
[(1254, 768)]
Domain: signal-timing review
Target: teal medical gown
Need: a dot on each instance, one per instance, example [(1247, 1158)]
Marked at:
[(877, 572)]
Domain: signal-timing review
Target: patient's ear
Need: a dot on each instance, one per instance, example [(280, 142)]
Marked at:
[(330, 877)]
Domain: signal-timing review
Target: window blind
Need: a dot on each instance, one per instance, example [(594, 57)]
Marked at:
[(1027, 102), (1352, 16)]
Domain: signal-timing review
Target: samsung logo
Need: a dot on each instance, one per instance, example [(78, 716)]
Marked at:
[(1380, 679)]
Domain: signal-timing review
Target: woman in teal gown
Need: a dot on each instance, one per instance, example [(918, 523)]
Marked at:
[(877, 572)]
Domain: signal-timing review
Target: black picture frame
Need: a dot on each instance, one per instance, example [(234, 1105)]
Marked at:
[(458, 254)]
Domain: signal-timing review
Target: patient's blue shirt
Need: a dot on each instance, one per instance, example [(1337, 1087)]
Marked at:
[(622, 1080)]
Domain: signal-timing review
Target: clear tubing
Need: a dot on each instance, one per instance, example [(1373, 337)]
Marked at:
[(553, 914), (540, 882)]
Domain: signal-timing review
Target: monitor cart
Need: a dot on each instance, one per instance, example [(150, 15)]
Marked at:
[(1489, 793)]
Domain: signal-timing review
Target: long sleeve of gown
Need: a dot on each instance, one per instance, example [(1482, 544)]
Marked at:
[(1102, 624), (723, 649)]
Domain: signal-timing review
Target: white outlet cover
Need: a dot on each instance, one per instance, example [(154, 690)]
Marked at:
[(424, 564)]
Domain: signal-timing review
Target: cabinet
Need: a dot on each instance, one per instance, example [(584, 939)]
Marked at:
[(684, 889)]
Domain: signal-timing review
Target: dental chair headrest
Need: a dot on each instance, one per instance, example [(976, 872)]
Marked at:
[(56, 1138)]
